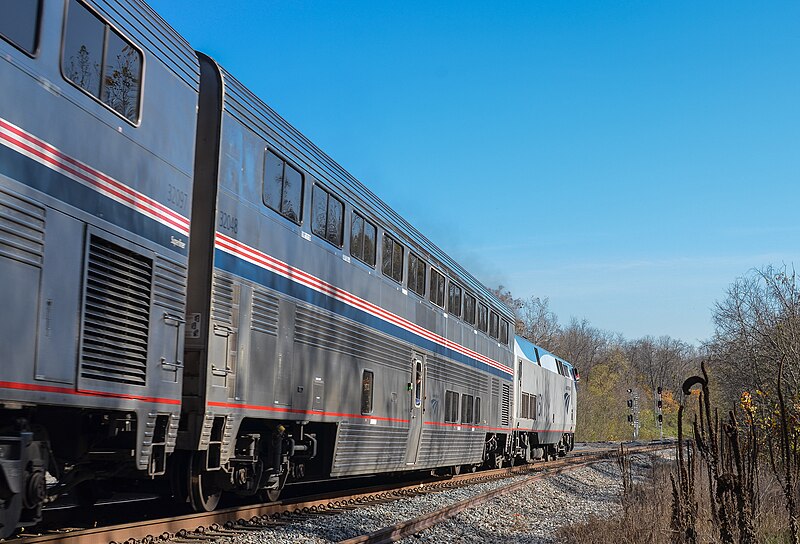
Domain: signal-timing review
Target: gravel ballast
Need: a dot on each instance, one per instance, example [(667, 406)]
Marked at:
[(529, 515)]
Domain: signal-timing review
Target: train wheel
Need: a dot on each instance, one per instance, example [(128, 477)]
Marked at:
[(10, 510), (203, 494), (272, 495)]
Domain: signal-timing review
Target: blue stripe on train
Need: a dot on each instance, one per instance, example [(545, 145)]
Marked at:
[(274, 281), (37, 176)]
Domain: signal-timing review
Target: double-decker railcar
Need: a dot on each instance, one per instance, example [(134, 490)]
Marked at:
[(544, 403), (327, 336), (97, 132)]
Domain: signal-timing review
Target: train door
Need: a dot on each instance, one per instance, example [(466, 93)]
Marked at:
[(416, 419)]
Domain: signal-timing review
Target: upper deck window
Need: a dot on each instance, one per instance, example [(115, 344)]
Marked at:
[(416, 274), (19, 23), (454, 299), (392, 258), (469, 308), (283, 187), (483, 317), (362, 240), (504, 332), (437, 288), (327, 216), (494, 325), (101, 62)]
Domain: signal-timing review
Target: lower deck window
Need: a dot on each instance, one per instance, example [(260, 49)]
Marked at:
[(367, 382), (466, 409), (451, 407)]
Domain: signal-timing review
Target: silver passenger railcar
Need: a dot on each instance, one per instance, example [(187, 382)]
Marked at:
[(327, 336), (97, 132)]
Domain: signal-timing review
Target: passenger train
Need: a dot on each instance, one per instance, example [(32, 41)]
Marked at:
[(193, 292)]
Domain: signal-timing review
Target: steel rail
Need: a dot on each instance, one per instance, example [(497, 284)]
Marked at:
[(403, 529), (226, 522)]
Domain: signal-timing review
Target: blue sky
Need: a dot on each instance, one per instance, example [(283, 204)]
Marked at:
[(628, 160)]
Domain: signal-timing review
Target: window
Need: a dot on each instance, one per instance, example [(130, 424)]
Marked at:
[(532, 413), (483, 317), (469, 308), (362, 240), (418, 384), (454, 299), (504, 332), (538, 359), (477, 410), (494, 323), (367, 381), (392, 258), (101, 62), (416, 274), (327, 216), (20, 23), (437, 288), (283, 187), (451, 407), (466, 409)]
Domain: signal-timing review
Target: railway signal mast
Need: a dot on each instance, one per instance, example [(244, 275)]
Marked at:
[(633, 416), (659, 415)]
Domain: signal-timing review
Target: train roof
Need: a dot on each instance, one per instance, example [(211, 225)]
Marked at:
[(149, 30), (245, 106), (528, 349)]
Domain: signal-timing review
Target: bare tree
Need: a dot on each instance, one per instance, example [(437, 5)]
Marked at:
[(757, 326), (663, 361), (582, 344), (539, 323)]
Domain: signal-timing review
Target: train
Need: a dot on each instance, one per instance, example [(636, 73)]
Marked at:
[(197, 295)]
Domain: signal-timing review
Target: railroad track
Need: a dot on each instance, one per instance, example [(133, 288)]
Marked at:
[(231, 522)]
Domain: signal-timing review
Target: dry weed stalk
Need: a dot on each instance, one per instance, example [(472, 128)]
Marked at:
[(731, 470)]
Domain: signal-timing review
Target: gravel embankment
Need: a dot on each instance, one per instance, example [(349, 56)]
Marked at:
[(530, 515)]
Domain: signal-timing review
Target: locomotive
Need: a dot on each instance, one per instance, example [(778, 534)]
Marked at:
[(194, 292)]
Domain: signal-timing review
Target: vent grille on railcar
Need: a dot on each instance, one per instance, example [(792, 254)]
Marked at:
[(505, 408), (116, 319)]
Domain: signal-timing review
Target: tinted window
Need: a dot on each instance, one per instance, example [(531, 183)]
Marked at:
[(121, 76), (367, 381), (494, 321), (326, 216), (477, 409), (88, 40), (504, 331), (451, 407), (83, 48), (283, 187), (437, 288), (483, 317), (416, 274), (469, 308), (292, 193), (392, 265), (454, 299), (362, 240), (466, 409), (19, 23), (273, 181)]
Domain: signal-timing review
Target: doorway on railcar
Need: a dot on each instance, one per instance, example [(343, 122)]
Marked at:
[(416, 419)]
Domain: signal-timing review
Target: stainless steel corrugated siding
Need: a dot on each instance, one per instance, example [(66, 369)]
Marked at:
[(364, 448)]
